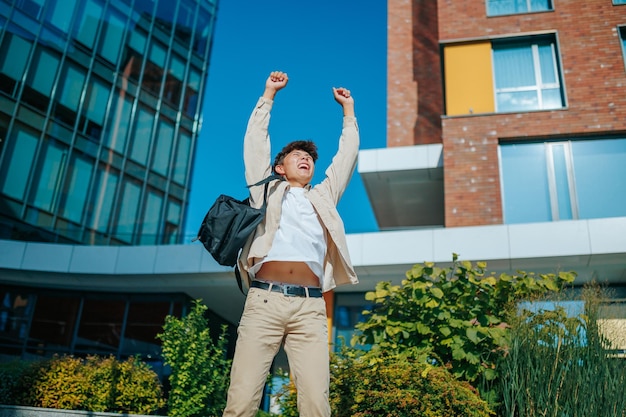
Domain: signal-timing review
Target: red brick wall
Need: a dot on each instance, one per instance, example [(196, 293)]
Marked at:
[(594, 81), (414, 83)]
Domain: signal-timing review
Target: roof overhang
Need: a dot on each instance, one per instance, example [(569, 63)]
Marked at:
[(595, 249), (404, 185)]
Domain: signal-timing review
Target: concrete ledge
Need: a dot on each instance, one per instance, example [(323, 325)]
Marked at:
[(20, 411)]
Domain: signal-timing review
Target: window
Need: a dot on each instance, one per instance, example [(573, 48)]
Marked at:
[(142, 135), (183, 153), (151, 218), (163, 149), (184, 21), (526, 76), (77, 186), (16, 49), (88, 21), (50, 170), (40, 78), (21, 155), (95, 108), (550, 181), (619, 1), (171, 233), (153, 72), (190, 104), (118, 123), (31, 7), (101, 204), (68, 93), (127, 216), (174, 80), (622, 37), (112, 35), (100, 327), (501, 7), (59, 13)]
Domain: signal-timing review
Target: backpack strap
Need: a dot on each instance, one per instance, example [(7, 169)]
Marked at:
[(266, 181)]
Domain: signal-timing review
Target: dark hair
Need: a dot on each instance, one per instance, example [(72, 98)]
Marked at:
[(300, 145)]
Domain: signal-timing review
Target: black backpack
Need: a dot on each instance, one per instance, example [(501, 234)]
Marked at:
[(228, 224)]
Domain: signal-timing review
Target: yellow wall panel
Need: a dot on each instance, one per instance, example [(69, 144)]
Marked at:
[(468, 79)]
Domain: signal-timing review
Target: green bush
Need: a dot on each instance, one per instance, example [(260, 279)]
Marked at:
[(459, 313), (200, 371), (100, 384), (16, 378), (394, 385)]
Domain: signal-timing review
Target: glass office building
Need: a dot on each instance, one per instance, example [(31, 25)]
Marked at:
[(100, 110)]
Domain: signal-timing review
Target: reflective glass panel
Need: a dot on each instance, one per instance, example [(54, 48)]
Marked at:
[(101, 204), (15, 51), (75, 193), (127, 216), (561, 179), (600, 173), (89, 18), (163, 151), (151, 218), (14, 315), (47, 183), (184, 21), (54, 321), (100, 328), (190, 103), (145, 321), (112, 35), (500, 7), (71, 86), (96, 105), (142, 135), (119, 121), (526, 194), (43, 71), (513, 67), (17, 170), (183, 156), (59, 13)]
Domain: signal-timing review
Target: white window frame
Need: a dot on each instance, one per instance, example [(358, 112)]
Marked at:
[(528, 9), (539, 85)]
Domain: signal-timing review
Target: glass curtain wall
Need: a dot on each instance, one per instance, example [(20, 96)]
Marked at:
[(100, 105)]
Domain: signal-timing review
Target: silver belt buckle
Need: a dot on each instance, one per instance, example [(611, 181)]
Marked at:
[(286, 288)]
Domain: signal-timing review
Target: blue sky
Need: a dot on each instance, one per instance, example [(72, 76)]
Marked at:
[(319, 44)]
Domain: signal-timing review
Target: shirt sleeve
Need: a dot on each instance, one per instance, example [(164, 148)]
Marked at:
[(257, 149)]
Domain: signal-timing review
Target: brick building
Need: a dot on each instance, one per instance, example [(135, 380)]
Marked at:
[(506, 136)]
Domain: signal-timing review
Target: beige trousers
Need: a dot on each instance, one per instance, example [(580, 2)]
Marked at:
[(269, 319)]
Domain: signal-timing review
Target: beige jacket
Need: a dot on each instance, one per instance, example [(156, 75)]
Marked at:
[(338, 269)]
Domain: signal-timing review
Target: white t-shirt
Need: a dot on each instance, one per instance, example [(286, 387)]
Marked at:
[(300, 236)]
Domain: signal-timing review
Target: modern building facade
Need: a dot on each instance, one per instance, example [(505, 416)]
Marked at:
[(506, 144), (506, 128), (100, 111)]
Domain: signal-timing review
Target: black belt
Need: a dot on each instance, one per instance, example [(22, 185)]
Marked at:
[(288, 290)]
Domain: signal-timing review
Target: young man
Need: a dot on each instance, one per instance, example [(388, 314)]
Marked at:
[(298, 252)]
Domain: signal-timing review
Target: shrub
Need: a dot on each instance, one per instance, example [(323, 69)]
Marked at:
[(200, 370), (101, 384), (16, 378), (458, 313), (397, 384)]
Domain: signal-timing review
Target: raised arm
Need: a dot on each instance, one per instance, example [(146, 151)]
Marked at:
[(340, 171), (256, 144)]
